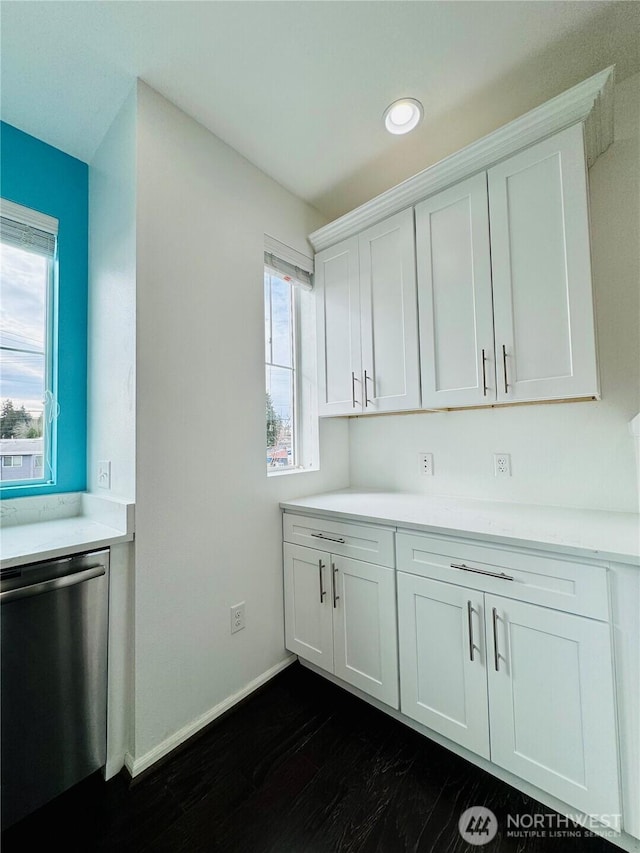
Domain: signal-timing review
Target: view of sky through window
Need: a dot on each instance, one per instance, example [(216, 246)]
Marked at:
[(24, 278)]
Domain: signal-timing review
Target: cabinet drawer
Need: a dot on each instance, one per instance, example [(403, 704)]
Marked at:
[(359, 541), (539, 578)]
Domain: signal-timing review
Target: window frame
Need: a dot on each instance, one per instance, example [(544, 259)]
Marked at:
[(294, 368), (44, 179), (32, 218), (296, 269)]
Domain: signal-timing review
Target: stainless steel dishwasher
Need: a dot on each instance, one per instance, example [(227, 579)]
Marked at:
[(53, 632)]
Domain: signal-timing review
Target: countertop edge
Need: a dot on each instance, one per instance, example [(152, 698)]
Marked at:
[(304, 506), (67, 543)]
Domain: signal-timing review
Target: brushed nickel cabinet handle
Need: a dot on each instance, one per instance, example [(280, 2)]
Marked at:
[(327, 538), (366, 393), (336, 598), (470, 624), (353, 389), (504, 368), (484, 374), (464, 568), (322, 591), (496, 653)]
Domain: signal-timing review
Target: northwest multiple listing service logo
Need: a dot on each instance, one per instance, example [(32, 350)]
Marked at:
[(478, 825)]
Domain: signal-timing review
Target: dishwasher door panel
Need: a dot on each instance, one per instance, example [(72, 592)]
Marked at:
[(54, 683)]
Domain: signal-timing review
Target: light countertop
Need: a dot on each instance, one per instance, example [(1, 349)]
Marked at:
[(46, 528), (610, 536)]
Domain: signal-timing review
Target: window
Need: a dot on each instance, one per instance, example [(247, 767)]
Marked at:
[(12, 461), (27, 408), (291, 428), (42, 187)]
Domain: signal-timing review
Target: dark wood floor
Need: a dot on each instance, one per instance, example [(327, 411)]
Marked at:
[(300, 767)]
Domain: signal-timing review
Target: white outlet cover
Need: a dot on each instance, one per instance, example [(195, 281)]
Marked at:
[(502, 464), (426, 464), (104, 474)]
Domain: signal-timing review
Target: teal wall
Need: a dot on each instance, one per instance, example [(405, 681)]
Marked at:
[(41, 177)]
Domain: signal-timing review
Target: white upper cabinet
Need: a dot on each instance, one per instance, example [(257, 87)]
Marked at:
[(540, 256), (517, 259), (367, 318), (337, 289), (501, 246), (456, 315), (389, 316)]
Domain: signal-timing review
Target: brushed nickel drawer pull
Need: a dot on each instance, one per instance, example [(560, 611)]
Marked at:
[(323, 592), (328, 538), (496, 653), (470, 623), (464, 568)]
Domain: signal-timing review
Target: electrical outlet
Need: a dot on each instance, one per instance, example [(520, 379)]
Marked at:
[(502, 464), (426, 464), (237, 617), (104, 474)]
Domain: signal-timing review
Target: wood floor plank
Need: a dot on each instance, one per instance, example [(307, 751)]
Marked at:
[(300, 767)]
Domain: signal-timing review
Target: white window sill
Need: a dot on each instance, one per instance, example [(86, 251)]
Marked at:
[(285, 471)]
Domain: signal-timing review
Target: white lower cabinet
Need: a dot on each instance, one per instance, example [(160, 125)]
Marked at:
[(505, 651), (340, 614), (525, 686)]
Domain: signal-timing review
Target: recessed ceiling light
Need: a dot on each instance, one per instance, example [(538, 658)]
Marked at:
[(403, 115)]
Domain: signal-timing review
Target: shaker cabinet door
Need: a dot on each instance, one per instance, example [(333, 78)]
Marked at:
[(364, 627), (338, 329), (307, 604), (551, 702), (454, 297), (540, 257), (389, 316), (443, 674)]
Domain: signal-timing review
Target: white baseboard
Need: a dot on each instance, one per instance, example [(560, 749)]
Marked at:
[(135, 766)]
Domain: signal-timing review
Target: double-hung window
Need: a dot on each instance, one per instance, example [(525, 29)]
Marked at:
[(27, 330), (291, 425)]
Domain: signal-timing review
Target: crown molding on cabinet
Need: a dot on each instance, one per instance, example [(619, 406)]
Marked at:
[(590, 102)]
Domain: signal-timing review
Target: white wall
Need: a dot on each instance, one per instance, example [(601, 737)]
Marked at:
[(112, 305), (207, 536), (111, 389), (570, 454)]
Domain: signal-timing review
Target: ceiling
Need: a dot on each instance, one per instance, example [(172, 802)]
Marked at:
[(299, 87)]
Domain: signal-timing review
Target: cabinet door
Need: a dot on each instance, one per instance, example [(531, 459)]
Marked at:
[(443, 674), (454, 296), (540, 256), (336, 285), (551, 702), (364, 627), (389, 315), (307, 605)]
